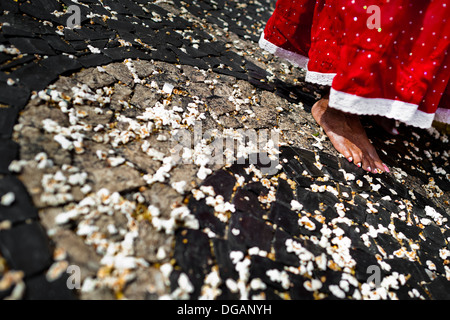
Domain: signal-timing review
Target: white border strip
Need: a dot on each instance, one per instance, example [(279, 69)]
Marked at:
[(324, 79), (421, 119), (442, 115), (296, 59), (394, 109)]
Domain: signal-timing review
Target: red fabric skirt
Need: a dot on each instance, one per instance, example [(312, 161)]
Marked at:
[(385, 58)]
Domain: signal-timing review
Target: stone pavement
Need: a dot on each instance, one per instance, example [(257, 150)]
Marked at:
[(134, 165)]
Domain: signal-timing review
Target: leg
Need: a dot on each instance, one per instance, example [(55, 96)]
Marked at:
[(348, 136)]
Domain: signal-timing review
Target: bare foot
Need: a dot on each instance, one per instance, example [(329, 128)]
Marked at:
[(348, 136)]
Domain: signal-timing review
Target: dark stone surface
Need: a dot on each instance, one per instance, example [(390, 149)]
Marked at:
[(95, 59), (282, 224), (254, 232), (16, 96), (281, 253), (22, 208), (32, 46), (9, 151), (439, 288), (206, 217), (26, 247), (61, 64), (34, 76), (247, 201), (40, 288), (221, 249), (8, 117), (193, 255), (222, 182), (285, 218)]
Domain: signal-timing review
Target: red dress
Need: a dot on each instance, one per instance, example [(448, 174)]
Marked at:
[(385, 58)]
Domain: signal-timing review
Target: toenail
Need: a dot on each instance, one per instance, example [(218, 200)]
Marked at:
[(350, 159), (386, 168), (359, 164), (369, 169)]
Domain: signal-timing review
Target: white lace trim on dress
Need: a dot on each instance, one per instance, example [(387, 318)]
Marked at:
[(405, 112), (296, 59), (421, 119), (394, 109), (324, 79), (442, 115)]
